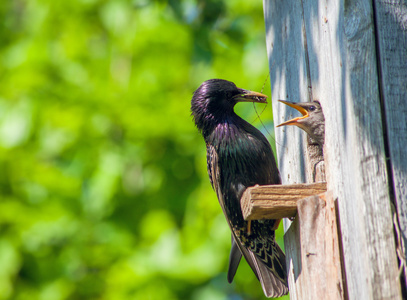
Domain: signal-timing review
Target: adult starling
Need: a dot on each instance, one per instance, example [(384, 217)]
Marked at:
[(239, 156), (312, 120)]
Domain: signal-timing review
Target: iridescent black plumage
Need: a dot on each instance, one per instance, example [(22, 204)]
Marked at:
[(239, 156)]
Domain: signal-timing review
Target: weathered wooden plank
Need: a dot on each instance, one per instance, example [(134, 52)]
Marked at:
[(290, 80), (336, 287), (391, 31), (344, 78), (340, 44), (288, 77), (314, 263), (276, 201)]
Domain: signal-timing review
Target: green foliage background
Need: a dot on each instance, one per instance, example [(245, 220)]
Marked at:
[(104, 190)]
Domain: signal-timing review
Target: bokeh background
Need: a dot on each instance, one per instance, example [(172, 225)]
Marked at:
[(104, 190)]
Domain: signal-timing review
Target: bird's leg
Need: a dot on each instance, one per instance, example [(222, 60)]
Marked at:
[(249, 223), (275, 226)]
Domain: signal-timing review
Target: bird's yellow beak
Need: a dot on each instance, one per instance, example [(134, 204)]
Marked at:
[(250, 96), (298, 107)]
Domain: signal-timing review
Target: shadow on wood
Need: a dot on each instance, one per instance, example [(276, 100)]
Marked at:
[(312, 249)]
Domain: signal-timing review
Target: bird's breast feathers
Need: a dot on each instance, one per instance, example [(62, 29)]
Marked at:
[(240, 151)]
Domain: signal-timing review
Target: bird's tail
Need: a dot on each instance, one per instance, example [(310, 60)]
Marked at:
[(273, 279), (270, 268)]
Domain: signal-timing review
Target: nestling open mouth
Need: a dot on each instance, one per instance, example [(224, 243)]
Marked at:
[(297, 107)]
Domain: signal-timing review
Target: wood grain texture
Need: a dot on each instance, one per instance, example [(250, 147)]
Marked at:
[(343, 68), (340, 54), (276, 201), (315, 231), (289, 77), (391, 29)]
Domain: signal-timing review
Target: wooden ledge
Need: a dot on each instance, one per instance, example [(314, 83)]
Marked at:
[(276, 201)]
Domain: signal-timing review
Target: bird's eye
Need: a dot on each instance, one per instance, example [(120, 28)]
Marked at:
[(312, 108)]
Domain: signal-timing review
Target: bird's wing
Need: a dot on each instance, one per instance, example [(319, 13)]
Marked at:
[(272, 282), (272, 287), (214, 173)]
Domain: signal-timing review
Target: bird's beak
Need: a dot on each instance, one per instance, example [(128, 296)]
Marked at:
[(298, 107), (250, 96)]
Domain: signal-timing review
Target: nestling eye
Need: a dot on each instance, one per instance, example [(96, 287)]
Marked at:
[(312, 108)]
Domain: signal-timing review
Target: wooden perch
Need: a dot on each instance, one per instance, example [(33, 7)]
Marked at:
[(276, 201)]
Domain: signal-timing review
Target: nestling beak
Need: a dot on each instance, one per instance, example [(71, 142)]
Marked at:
[(298, 107), (312, 120), (250, 96)]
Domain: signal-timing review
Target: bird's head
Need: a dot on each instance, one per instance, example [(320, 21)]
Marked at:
[(312, 120), (215, 99)]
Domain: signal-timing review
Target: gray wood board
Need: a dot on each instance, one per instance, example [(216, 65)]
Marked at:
[(340, 45), (391, 28), (289, 81), (344, 69)]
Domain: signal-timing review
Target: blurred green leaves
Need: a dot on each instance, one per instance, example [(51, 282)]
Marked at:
[(104, 191)]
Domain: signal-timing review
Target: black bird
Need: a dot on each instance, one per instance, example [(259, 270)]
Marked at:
[(312, 120), (239, 156)]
